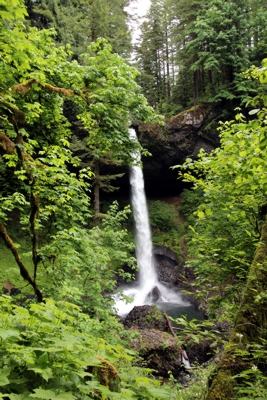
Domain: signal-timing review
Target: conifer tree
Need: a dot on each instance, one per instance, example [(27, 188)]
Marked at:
[(154, 55), (80, 22), (193, 51)]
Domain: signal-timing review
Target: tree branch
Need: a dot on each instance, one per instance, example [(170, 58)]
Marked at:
[(23, 271), (169, 323)]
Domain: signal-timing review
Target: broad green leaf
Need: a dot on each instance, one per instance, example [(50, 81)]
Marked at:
[(201, 214), (3, 380), (24, 396), (46, 373), (255, 111), (9, 333), (43, 394)]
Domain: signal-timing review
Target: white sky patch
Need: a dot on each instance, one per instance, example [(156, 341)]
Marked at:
[(140, 8)]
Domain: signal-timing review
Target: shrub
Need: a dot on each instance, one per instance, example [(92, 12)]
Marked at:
[(53, 351)]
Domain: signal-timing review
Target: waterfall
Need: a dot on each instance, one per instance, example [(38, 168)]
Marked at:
[(185, 359), (144, 254), (148, 289)]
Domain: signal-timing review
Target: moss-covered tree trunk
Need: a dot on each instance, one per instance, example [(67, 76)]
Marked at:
[(250, 326)]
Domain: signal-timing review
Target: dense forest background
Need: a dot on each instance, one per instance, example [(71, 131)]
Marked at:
[(71, 83), (187, 52)]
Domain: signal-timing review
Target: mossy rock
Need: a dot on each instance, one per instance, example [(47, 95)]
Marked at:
[(146, 317), (222, 388), (159, 351)]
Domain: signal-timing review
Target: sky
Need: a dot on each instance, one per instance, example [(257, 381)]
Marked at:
[(140, 7)]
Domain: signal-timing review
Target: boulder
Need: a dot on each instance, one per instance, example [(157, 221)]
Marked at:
[(154, 295), (146, 317), (159, 351)]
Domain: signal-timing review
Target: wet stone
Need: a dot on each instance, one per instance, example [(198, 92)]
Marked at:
[(154, 295)]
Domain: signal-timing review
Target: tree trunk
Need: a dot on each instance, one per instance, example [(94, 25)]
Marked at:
[(23, 271), (168, 66), (195, 87), (250, 327)]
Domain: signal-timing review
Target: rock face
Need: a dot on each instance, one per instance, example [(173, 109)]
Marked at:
[(181, 137), (169, 266)]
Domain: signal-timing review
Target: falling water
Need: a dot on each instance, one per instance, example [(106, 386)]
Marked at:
[(147, 280), (144, 255)]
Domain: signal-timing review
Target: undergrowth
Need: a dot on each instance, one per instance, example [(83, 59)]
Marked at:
[(166, 225), (53, 351)]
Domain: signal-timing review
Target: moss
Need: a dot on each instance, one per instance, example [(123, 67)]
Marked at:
[(154, 337), (195, 113), (154, 314), (222, 388), (107, 375), (145, 317)]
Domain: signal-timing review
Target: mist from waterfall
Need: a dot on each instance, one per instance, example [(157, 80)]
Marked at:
[(141, 291)]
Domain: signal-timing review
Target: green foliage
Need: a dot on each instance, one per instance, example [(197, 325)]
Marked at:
[(154, 58), (190, 200), (196, 331), (193, 51), (195, 387), (88, 261), (253, 386), (52, 351), (162, 215), (89, 20), (251, 382), (44, 188), (228, 221), (217, 33), (167, 227), (113, 99)]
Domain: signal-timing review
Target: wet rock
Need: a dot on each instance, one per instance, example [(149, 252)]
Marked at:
[(169, 267), (200, 352), (154, 295), (146, 317), (159, 351)]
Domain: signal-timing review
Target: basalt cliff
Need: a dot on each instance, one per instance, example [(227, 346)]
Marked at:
[(180, 137)]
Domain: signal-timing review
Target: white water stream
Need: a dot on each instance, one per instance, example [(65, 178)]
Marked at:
[(147, 279)]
